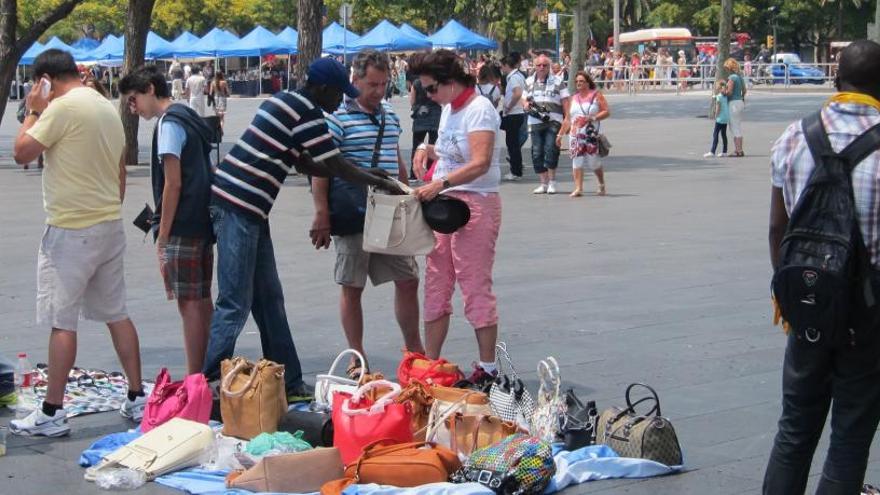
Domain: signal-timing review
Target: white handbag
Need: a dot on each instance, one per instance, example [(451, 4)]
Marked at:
[(549, 416), (508, 396), (471, 403), (325, 385), (394, 224), (172, 446)]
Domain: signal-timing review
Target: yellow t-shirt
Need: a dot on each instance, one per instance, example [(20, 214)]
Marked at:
[(83, 136)]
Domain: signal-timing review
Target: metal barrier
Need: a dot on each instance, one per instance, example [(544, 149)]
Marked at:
[(646, 78)]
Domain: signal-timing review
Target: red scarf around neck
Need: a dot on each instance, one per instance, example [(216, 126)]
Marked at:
[(461, 99)]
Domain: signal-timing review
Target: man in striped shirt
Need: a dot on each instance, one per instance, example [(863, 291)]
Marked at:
[(287, 132), (544, 90), (367, 131)]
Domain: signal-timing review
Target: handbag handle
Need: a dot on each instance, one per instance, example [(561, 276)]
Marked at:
[(431, 427), (412, 356), (227, 380), (632, 405), (380, 403), (345, 353), (548, 374), (501, 350), (453, 428), (182, 399)]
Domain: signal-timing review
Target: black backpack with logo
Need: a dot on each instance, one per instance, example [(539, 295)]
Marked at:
[(824, 282)]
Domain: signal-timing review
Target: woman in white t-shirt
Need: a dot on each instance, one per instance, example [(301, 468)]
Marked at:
[(488, 78), (588, 107), (467, 169)]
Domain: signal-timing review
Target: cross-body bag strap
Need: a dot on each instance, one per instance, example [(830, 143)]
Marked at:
[(377, 148)]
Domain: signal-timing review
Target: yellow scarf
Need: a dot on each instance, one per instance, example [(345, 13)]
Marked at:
[(856, 98)]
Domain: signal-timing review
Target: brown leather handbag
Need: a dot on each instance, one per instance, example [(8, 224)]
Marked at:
[(420, 401), (298, 472), (449, 401), (404, 465), (469, 433), (252, 397)]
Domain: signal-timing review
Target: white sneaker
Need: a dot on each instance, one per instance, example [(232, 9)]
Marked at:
[(551, 187), (540, 189), (134, 409), (37, 423), (719, 155), (512, 177), (709, 154)]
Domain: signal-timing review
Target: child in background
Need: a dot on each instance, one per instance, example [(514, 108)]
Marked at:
[(722, 118)]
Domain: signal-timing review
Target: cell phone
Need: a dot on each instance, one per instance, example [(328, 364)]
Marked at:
[(45, 87)]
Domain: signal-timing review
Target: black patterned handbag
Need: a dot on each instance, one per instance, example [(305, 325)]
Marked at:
[(642, 436)]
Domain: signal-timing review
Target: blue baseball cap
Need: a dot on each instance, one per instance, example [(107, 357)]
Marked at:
[(330, 72)]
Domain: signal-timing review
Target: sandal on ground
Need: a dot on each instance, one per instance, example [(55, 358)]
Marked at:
[(354, 370), (601, 190), (576, 193)]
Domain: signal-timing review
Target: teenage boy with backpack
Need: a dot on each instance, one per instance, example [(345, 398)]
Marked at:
[(181, 176), (825, 250)]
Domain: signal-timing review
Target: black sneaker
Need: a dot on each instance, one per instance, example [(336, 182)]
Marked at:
[(301, 393)]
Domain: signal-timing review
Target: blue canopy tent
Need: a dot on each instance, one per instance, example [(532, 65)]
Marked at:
[(457, 37), (415, 33), (260, 41), (85, 44), (290, 38), (31, 54), (184, 41), (336, 39), (210, 45), (158, 47), (387, 38), (111, 48)]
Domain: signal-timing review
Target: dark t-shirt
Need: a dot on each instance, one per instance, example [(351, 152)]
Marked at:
[(425, 113)]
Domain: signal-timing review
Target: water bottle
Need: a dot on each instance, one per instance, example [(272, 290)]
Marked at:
[(23, 378)]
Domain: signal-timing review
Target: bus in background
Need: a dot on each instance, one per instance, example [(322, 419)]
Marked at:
[(673, 39)]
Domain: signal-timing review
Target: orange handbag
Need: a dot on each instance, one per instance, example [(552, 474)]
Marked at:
[(419, 400), (418, 367), (404, 465), (469, 433)]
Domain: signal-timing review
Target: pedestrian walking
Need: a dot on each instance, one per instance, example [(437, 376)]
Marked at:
[(220, 90), (837, 369), (588, 108), (367, 132), (513, 117), (467, 169), (80, 268), (546, 101), (195, 89), (722, 118), (180, 171)]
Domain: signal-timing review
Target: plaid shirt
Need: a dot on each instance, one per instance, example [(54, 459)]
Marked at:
[(792, 164)]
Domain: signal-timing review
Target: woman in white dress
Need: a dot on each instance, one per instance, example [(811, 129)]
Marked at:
[(588, 108)]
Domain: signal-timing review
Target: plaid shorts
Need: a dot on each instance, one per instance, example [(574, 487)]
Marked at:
[(189, 266)]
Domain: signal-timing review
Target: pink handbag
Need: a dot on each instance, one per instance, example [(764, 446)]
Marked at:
[(187, 399), (358, 421)]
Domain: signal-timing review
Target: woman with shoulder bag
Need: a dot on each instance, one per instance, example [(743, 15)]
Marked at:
[(588, 108), (467, 169)]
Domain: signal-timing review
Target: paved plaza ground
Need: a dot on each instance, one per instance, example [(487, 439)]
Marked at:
[(664, 281)]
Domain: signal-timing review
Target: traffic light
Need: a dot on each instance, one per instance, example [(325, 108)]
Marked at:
[(770, 41)]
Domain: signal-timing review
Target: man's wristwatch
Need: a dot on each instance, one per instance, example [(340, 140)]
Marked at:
[(34, 113)]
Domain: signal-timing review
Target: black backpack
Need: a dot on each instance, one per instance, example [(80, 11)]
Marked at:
[(824, 282)]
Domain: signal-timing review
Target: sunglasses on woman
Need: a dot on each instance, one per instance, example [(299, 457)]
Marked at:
[(432, 88)]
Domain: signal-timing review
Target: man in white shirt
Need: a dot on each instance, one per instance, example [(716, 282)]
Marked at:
[(195, 90), (513, 117), (546, 102)]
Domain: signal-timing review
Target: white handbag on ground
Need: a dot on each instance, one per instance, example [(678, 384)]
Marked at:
[(447, 402), (172, 446), (325, 385), (394, 224), (549, 416)]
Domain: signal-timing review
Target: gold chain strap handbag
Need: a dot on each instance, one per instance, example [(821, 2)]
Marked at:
[(252, 397), (642, 436)]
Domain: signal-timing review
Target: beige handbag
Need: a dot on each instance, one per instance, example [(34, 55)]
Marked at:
[(172, 446), (394, 224), (252, 397), (447, 402), (300, 472)]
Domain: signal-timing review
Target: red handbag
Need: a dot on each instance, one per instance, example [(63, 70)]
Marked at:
[(420, 368), (358, 421), (187, 399)]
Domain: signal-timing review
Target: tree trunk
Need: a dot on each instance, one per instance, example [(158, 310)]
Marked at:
[(579, 40), (13, 47), (725, 24), (137, 26), (310, 39)]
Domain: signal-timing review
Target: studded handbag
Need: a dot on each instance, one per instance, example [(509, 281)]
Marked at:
[(643, 436)]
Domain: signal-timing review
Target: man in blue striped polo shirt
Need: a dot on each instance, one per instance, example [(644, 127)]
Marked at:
[(287, 132), (367, 131)]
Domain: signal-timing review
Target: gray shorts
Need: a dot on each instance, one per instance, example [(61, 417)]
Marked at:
[(353, 264), (80, 271)]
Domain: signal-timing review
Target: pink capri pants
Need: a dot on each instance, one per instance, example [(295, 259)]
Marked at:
[(466, 256)]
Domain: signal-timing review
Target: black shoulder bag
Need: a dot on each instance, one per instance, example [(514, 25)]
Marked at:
[(348, 201)]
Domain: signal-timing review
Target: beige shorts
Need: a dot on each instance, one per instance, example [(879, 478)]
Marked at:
[(81, 272), (353, 264)]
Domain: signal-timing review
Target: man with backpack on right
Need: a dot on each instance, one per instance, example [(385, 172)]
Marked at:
[(825, 251)]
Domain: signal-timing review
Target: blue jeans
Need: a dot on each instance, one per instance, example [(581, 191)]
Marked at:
[(545, 153), (247, 282)]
